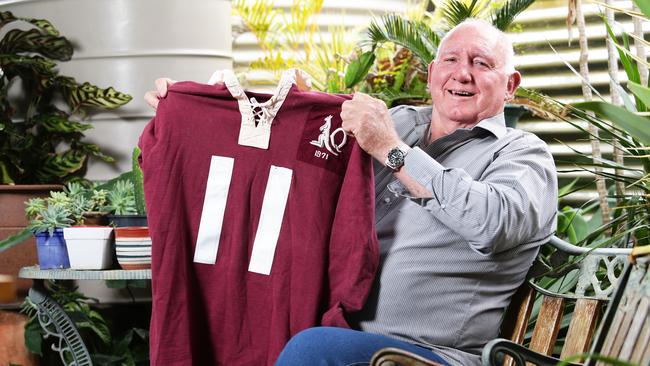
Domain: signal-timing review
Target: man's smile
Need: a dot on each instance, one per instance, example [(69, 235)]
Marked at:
[(460, 93)]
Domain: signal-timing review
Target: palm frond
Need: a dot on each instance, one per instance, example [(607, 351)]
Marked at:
[(455, 11), (505, 15), (414, 35)]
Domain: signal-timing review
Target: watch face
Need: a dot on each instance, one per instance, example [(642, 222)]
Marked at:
[(395, 158)]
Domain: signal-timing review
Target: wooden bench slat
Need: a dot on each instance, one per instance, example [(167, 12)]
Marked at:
[(629, 310), (641, 342), (634, 331), (517, 317), (521, 307), (582, 327), (618, 326), (547, 325)]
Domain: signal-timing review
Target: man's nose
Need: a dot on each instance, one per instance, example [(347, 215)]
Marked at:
[(463, 73)]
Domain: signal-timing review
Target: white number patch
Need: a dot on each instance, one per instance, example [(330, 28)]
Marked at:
[(214, 207)]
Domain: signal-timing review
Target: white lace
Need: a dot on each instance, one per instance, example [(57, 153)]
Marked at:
[(259, 115)]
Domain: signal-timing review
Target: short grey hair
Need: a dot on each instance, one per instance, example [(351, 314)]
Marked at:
[(506, 43)]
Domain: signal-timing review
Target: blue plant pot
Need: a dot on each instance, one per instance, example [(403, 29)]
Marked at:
[(52, 252)]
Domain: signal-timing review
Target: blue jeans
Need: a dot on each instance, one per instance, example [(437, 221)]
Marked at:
[(342, 347)]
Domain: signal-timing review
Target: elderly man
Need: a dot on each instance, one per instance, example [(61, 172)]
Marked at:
[(462, 206)]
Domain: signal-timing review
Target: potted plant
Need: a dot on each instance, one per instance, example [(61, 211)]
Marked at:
[(125, 201), (47, 219), (42, 126), (89, 246), (125, 197)]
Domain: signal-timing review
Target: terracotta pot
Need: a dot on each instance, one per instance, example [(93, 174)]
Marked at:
[(12, 221), (12, 340), (133, 247)]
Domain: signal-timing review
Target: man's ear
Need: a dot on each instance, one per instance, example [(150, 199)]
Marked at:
[(513, 83), (430, 72)]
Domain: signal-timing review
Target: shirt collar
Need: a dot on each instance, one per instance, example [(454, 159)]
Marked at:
[(496, 124)]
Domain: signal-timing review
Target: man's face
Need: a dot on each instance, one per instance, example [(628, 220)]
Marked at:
[(467, 80)]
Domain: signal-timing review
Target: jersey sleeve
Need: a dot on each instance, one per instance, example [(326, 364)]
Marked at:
[(353, 252)]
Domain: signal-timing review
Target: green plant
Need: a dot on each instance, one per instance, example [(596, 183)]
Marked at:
[(53, 217), (121, 199), (124, 194), (48, 214), (41, 139)]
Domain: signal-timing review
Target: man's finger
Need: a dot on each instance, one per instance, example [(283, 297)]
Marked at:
[(162, 84), (151, 97)]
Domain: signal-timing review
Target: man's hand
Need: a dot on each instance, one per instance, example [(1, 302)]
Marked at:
[(368, 120), (152, 97)]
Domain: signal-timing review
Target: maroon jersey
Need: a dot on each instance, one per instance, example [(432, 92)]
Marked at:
[(261, 218)]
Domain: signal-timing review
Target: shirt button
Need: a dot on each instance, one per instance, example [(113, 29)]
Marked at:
[(443, 206), (387, 200)]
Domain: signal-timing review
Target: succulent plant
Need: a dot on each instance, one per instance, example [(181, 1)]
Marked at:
[(121, 199), (53, 217)]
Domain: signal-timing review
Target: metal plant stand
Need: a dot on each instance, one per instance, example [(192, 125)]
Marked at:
[(56, 323)]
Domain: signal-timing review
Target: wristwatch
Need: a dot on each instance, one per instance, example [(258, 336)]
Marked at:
[(396, 155)]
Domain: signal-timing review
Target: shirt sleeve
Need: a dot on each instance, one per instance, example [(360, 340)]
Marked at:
[(353, 253), (514, 202)]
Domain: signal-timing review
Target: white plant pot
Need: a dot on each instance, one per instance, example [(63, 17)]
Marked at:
[(89, 247)]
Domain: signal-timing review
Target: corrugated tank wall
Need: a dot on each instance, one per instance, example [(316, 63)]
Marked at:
[(127, 44)]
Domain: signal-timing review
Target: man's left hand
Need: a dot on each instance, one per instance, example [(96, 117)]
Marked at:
[(368, 120)]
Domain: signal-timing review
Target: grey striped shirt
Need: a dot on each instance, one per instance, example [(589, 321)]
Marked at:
[(449, 264)]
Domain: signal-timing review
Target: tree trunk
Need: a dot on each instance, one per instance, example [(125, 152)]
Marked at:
[(586, 91), (612, 68), (640, 49)]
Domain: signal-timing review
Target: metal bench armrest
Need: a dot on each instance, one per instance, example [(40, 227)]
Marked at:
[(496, 349)]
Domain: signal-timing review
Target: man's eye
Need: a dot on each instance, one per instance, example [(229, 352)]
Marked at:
[(481, 63)]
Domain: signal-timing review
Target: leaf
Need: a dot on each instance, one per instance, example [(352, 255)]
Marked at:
[(4, 173), (627, 102), (14, 240), (638, 127), (88, 94), (505, 15), (7, 17), (60, 124), (644, 6), (34, 337), (414, 35), (28, 65), (33, 41), (625, 60), (456, 11), (358, 69), (641, 92), (61, 165)]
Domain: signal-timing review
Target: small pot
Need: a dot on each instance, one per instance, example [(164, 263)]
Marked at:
[(89, 247), (127, 220), (95, 218), (133, 247), (52, 252)]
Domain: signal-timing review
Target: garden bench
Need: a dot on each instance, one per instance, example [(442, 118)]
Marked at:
[(624, 331)]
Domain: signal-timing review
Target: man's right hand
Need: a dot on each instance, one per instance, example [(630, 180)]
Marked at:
[(152, 96)]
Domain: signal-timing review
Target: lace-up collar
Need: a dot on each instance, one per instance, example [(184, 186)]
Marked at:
[(257, 118)]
